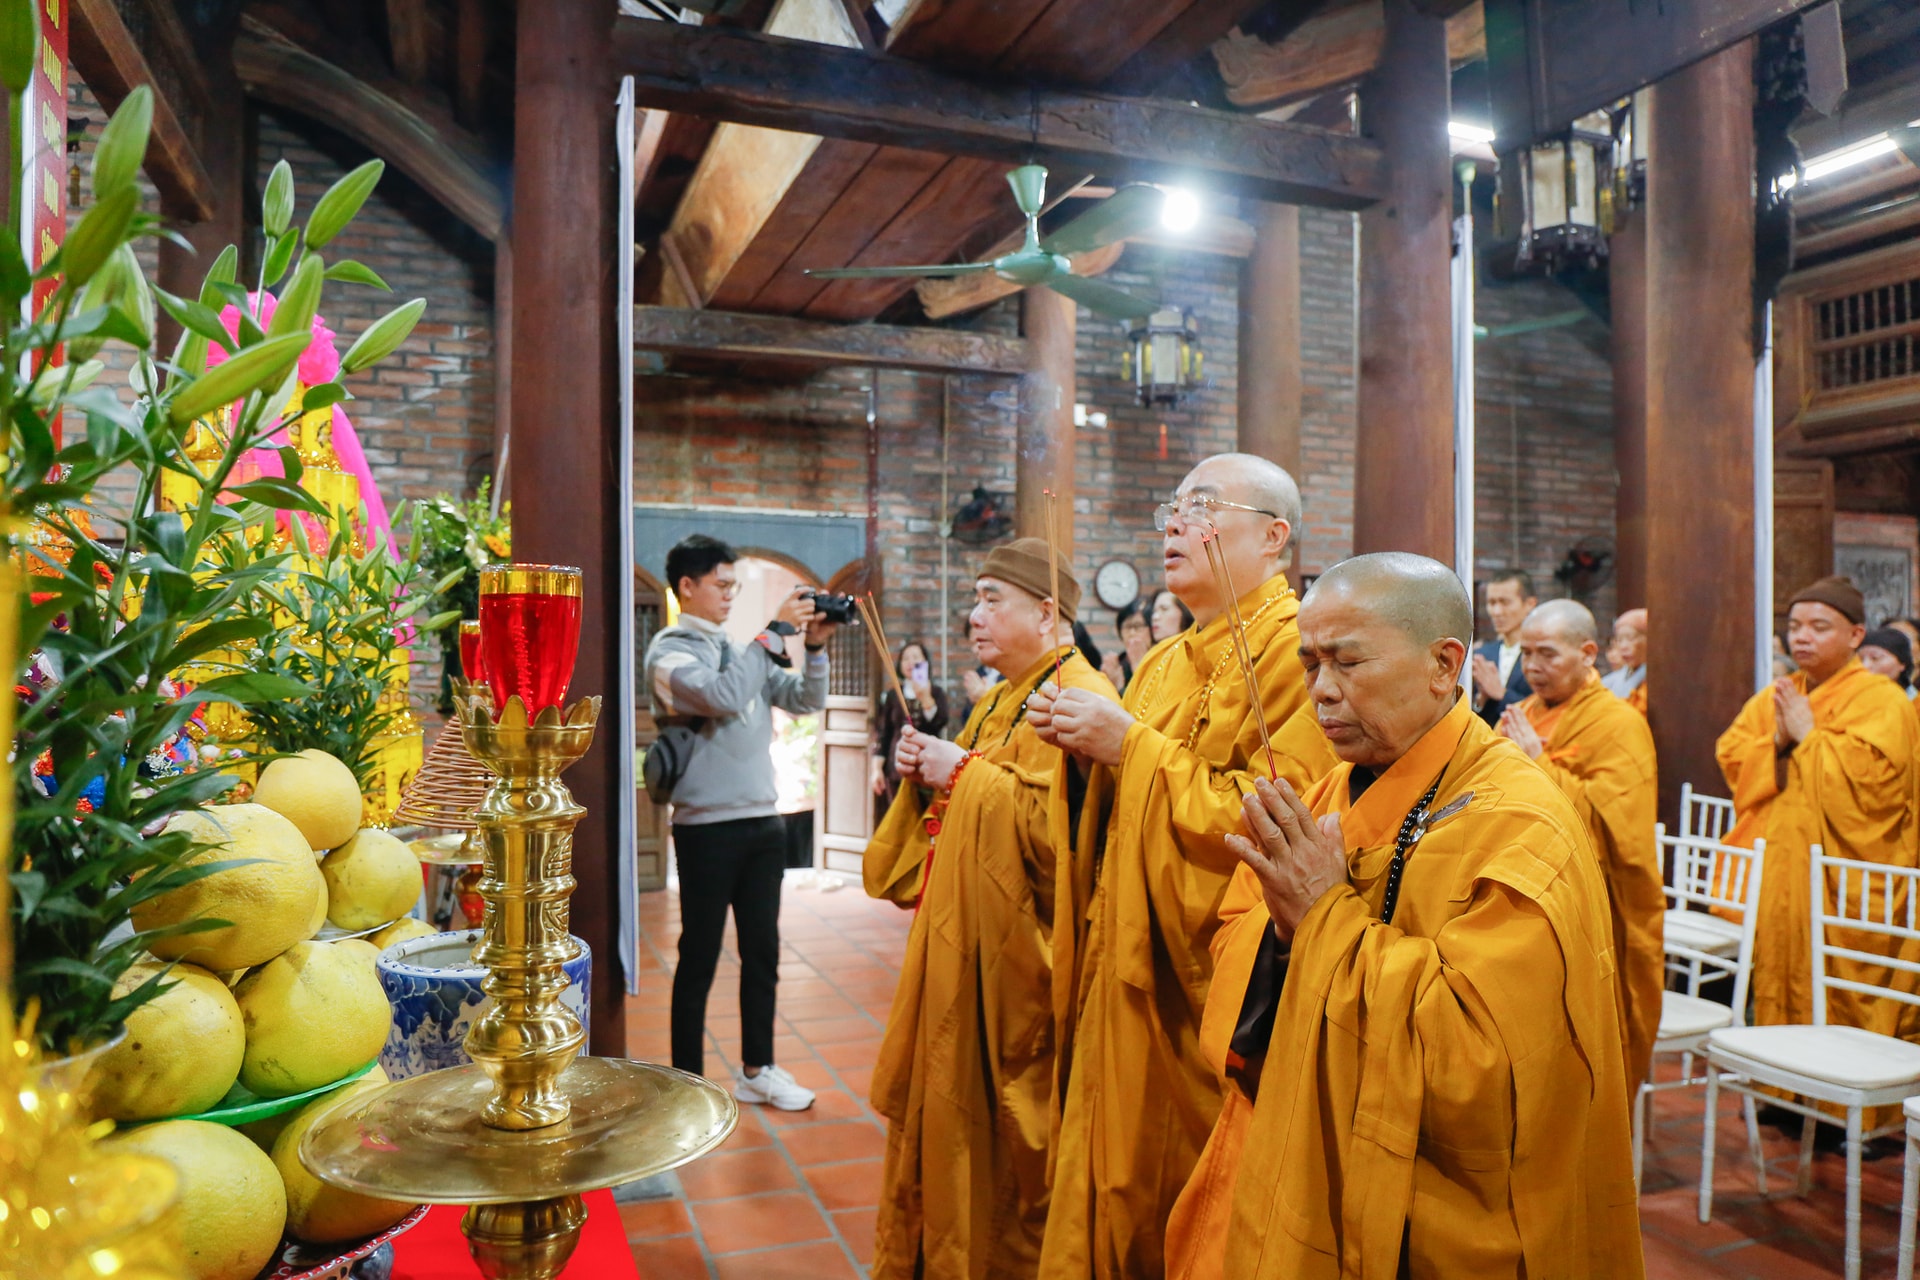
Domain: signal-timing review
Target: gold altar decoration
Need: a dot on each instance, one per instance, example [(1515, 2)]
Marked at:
[(447, 790), (530, 1125)]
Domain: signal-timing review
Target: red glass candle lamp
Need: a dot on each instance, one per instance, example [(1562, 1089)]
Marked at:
[(473, 668), (529, 632)]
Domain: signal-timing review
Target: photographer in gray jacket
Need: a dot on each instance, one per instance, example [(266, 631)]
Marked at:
[(728, 839)]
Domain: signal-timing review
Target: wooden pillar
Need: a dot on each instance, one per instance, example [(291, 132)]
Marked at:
[(1403, 452), (227, 153), (565, 410), (1268, 409), (1700, 519), (502, 363), (1627, 274), (1046, 437)]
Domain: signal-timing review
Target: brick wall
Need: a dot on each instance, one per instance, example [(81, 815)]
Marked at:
[(1543, 442)]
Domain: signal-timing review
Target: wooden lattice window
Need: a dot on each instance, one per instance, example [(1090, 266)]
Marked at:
[(1869, 336)]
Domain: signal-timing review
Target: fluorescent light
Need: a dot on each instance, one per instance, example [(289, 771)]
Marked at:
[(1846, 157), (1180, 211), (1469, 132)]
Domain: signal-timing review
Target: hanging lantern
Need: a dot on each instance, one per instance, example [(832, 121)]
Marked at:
[(1560, 193), (1163, 358)]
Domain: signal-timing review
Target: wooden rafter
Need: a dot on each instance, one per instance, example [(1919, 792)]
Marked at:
[(795, 85), (108, 58), (677, 331), (1337, 47), (282, 74), (410, 36)]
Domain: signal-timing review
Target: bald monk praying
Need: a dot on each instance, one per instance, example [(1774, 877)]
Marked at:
[(1628, 654), (1164, 776), (1599, 751), (965, 1075), (1824, 756), (1412, 1005)]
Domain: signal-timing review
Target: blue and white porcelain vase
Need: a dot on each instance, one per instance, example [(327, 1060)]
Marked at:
[(434, 988)]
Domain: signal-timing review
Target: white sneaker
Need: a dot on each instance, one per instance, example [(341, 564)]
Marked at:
[(773, 1087)]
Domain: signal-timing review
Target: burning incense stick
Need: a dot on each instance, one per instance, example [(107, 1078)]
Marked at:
[(1050, 508), (871, 616), (1237, 633)]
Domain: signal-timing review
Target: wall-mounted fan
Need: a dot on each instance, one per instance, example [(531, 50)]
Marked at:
[(1042, 261), (1587, 567), (983, 518)]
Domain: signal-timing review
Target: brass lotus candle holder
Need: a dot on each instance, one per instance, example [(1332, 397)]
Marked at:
[(530, 1125)]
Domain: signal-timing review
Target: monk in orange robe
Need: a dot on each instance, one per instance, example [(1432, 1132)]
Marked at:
[(1627, 654), (1164, 776), (1412, 1006), (1825, 756), (965, 1075), (1599, 751)]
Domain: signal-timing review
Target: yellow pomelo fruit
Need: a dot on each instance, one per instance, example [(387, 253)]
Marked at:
[(312, 1015), (361, 950), (371, 879), (402, 930), (316, 792), (268, 903), (318, 919), (182, 1050), (264, 1132), (232, 1205), (316, 1212)]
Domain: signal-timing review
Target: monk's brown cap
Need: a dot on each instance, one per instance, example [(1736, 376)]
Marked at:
[(1837, 593), (1023, 562)]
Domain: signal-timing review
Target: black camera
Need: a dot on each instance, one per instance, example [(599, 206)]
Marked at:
[(834, 607)]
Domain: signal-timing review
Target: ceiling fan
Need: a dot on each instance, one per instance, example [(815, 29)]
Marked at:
[(1043, 261)]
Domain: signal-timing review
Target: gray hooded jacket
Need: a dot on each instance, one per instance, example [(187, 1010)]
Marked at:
[(731, 773)]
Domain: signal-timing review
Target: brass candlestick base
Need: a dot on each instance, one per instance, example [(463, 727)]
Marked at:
[(522, 1132)]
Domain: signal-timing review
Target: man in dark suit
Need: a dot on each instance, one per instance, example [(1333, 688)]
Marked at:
[(1498, 681)]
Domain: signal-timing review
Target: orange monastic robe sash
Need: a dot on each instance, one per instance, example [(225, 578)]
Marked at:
[(1138, 1101), (1599, 751), (1638, 698), (1852, 788), (965, 1074), (1443, 1095)]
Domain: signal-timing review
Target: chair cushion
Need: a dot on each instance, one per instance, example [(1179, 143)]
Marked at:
[(1846, 1056), (1683, 1015), (1703, 932)]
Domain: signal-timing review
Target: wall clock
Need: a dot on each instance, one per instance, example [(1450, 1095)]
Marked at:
[(1117, 583)]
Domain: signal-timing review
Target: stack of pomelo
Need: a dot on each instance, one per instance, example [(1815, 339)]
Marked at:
[(258, 1000)]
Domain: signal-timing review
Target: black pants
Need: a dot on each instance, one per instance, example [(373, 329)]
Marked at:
[(728, 864)]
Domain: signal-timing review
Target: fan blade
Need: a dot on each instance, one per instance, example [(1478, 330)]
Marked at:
[(881, 273), (1029, 183), (1126, 212), (1103, 298)]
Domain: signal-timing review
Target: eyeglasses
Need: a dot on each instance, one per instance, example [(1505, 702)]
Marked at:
[(1199, 509), (728, 590)]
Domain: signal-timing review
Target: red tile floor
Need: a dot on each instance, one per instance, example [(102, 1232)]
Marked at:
[(792, 1195)]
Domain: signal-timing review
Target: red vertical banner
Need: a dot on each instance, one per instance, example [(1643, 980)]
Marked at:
[(43, 154)]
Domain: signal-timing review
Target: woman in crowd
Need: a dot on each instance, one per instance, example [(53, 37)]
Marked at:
[(927, 713), (1887, 652), (1136, 637), (1169, 617)]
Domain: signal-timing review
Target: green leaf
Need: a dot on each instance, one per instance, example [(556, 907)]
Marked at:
[(342, 201), (347, 271), (101, 231), (19, 41), (196, 317), (225, 270), (280, 256), (223, 634), (300, 299), (324, 396), (276, 206), (123, 144), (254, 369), (271, 491), (383, 337), (15, 278), (251, 687)]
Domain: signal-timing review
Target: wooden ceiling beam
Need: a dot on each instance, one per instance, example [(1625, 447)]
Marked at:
[(410, 37), (1187, 37), (471, 36), (282, 74), (677, 332), (109, 59), (1337, 47), (796, 85)]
